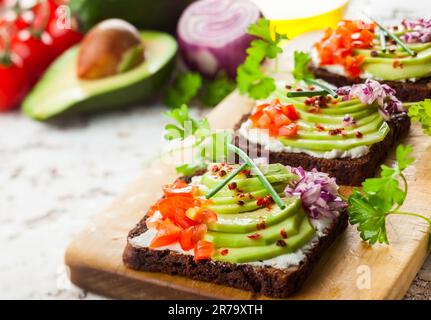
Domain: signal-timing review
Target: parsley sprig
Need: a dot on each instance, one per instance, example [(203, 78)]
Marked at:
[(250, 78), (301, 72), (421, 112), (381, 197), (190, 85)]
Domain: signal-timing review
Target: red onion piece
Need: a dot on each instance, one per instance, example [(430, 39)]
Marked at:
[(212, 34)]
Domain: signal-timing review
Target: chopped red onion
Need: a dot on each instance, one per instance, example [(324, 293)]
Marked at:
[(372, 91), (417, 30), (212, 34), (318, 193)]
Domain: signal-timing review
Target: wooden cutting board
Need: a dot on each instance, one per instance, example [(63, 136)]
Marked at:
[(350, 269)]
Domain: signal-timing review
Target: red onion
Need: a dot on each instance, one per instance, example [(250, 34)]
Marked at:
[(372, 91), (212, 35), (318, 193)]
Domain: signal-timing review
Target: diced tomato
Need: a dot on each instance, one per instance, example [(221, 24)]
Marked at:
[(337, 45), (264, 121), (281, 120), (272, 112), (180, 188), (167, 233), (181, 218), (167, 206), (199, 232), (203, 250), (201, 215), (186, 239), (152, 209), (153, 223), (274, 116), (290, 111), (255, 117), (190, 236), (288, 131)]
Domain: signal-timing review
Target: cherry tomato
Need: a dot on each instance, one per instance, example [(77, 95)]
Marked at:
[(203, 250), (14, 84), (167, 233), (35, 53), (62, 33)]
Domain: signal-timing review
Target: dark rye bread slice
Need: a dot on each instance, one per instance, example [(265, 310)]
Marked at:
[(261, 280), (346, 171), (407, 91)]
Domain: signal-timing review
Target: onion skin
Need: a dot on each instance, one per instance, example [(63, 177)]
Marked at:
[(224, 49)]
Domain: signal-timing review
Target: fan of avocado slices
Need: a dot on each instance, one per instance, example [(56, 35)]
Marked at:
[(396, 53), (327, 127), (249, 226)]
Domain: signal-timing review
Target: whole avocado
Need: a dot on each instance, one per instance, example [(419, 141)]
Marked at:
[(143, 14)]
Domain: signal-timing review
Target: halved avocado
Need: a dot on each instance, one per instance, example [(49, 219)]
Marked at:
[(61, 92)]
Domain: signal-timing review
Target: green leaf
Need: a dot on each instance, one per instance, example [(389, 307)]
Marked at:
[(371, 221), (250, 79), (261, 29), (215, 91), (301, 62), (185, 88), (403, 155), (421, 112)]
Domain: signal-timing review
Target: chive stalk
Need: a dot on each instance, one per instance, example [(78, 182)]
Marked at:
[(293, 94), (323, 87), (382, 41), (259, 175), (232, 175), (395, 38)]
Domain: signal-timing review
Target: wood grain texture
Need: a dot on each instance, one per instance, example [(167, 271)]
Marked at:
[(94, 256)]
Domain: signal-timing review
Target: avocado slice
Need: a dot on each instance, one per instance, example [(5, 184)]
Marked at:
[(61, 92), (344, 144), (233, 198), (249, 221), (256, 253), (266, 236)]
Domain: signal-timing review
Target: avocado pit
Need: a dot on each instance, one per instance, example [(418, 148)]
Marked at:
[(112, 47)]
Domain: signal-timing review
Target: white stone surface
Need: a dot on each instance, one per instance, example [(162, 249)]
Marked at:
[(54, 177)]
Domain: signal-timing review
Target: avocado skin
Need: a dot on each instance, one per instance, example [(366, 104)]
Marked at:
[(107, 100), (144, 14)]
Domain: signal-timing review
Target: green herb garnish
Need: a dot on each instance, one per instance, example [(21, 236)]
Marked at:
[(382, 41), (185, 88), (381, 197), (250, 79), (190, 85), (302, 73), (232, 175), (215, 91), (293, 94), (421, 112)]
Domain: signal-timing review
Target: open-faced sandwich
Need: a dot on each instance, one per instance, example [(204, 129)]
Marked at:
[(347, 137), (399, 55), (223, 226)]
